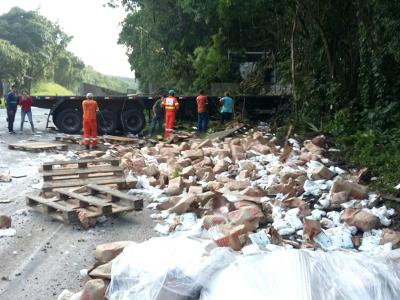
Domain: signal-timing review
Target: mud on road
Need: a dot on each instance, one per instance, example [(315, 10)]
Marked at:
[(45, 256)]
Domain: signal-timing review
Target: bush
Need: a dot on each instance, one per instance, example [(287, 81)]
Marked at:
[(378, 151)]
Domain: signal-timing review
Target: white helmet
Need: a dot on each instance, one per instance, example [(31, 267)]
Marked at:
[(89, 95)]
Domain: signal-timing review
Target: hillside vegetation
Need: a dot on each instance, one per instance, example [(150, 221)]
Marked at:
[(49, 89), (34, 48)]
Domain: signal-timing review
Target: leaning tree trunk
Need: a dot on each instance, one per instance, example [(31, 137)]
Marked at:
[(293, 67)]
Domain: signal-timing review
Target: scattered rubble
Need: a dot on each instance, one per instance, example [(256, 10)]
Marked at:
[(252, 184), (5, 222)]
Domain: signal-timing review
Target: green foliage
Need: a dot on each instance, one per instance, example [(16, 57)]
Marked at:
[(377, 151), (119, 84), (209, 64), (35, 35), (68, 70), (35, 46), (13, 61), (49, 89)]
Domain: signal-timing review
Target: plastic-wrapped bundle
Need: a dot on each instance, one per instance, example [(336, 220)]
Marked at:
[(166, 268), (307, 275)]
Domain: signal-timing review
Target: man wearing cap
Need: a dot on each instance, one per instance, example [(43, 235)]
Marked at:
[(90, 108), (11, 104), (171, 106)]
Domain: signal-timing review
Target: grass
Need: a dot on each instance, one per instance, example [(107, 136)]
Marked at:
[(50, 89), (45, 89)]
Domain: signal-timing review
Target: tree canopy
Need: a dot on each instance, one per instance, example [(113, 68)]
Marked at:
[(340, 58), (32, 45)]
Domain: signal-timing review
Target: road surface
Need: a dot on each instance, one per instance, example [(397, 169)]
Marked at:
[(46, 256)]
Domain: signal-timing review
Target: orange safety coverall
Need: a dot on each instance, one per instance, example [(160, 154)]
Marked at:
[(89, 122), (171, 106)]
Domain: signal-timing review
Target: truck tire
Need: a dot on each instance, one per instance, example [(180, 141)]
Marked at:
[(133, 121), (69, 121), (107, 122)]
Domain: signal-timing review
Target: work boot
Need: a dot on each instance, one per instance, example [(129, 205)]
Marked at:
[(87, 147)]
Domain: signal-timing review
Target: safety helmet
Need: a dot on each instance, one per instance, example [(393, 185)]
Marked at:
[(171, 92), (89, 95)]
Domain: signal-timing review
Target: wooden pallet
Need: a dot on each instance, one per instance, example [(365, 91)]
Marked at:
[(63, 174), (38, 146), (225, 133), (95, 202), (72, 139), (112, 139)]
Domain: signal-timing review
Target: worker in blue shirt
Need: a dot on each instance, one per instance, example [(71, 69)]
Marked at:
[(11, 104), (227, 107)]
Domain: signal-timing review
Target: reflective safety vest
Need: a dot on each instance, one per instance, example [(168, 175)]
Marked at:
[(170, 103)]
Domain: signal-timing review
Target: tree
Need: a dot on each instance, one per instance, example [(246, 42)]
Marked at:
[(35, 35), (13, 63)]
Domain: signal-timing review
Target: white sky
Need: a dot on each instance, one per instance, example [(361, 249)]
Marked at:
[(95, 30)]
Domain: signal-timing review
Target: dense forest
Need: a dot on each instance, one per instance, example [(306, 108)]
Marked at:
[(340, 58), (33, 49)]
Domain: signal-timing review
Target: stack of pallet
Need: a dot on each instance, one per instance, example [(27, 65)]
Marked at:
[(95, 201), (62, 174), (80, 187)]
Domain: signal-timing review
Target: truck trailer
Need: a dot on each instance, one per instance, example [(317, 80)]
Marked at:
[(127, 113)]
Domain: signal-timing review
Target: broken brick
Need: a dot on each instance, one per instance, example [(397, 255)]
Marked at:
[(175, 186), (193, 154), (184, 205), (338, 198), (356, 190), (247, 213), (322, 172), (237, 185), (195, 189), (359, 218), (262, 149), (94, 289), (220, 166), (390, 236), (151, 170), (5, 222), (108, 251), (188, 171), (254, 191), (237, 152)]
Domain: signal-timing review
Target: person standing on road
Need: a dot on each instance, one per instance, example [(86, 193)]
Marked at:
[(227, 108), (11, 104), (171, 105), (158, 117), (25, 101), (90, 108), (202, 118)]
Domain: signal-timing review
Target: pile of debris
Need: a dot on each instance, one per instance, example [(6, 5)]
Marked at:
[(233, 211), (249, 190)]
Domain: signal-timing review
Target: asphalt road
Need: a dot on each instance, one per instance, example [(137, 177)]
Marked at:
[(45, 256)]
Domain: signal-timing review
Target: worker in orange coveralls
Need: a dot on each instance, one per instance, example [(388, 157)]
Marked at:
[(171, 106), (90, 108)]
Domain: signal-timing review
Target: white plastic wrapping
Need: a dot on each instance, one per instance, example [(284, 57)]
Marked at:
[(307, 275), (165, 268)]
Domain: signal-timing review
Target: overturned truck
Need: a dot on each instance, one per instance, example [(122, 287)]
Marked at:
[(127, 113)]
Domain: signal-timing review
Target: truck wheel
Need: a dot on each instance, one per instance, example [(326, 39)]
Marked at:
[(133, 121), (69, 121), (106, 122)]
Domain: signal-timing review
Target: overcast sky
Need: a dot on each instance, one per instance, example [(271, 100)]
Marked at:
[(95, 29)]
